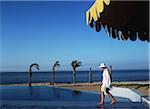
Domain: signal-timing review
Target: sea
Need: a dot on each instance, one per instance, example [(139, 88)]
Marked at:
[(66, 76)]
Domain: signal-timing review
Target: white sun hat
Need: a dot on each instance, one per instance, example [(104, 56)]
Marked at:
[(102, 65)]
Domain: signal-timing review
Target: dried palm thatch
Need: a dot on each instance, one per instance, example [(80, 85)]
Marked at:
[(121, 19)]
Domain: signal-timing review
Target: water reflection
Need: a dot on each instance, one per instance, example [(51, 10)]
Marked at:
[(76, 93), (61, 96), (55, 92), (30, 91)]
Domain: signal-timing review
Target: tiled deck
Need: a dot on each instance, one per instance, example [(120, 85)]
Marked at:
[(42, 97)]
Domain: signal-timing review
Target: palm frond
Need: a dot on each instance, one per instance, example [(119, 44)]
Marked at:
[(34, 65), (75, 64), (56, 64)]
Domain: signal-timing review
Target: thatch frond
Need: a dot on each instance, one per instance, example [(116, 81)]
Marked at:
[(94, 12)]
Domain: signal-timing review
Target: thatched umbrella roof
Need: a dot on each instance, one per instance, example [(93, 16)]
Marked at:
[(131, 18)]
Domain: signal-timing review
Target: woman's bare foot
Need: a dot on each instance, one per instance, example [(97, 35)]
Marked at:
[(100, 103), (113, 102)]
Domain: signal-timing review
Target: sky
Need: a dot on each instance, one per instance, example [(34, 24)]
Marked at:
[(44, 32)]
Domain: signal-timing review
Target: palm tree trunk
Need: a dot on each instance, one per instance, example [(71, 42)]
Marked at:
[(74, 76), (110, 72), (29, 76), (90, 76), (53, 74)]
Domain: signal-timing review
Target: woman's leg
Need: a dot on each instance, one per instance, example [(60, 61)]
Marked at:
[(102, 96), (112, 98)]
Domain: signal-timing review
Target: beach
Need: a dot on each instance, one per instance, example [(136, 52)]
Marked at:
[(142, 87)]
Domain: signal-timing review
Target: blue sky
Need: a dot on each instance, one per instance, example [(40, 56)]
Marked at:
[(44, 32)]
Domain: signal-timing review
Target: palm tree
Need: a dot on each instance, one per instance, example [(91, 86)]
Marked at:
[(74, 65), (53, 70), (30, 72)]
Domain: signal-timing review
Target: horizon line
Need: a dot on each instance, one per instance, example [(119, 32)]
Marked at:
[(71, 70)]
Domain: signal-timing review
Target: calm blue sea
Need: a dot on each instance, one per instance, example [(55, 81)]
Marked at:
[(66, 76)]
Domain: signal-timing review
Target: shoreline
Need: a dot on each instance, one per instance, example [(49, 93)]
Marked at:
[(81, 83), (142, 87)]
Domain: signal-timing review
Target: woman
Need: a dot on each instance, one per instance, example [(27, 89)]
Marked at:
[(106, 84)]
